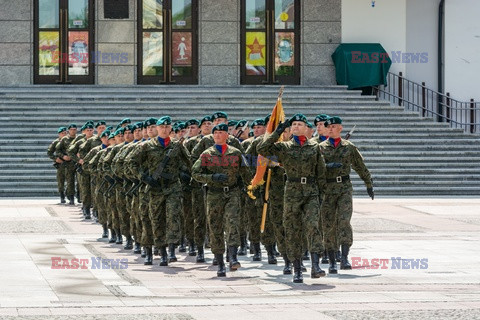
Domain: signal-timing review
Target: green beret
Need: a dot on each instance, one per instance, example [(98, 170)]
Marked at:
[(257, 122), (149, 122), (61, 129), (111, 136), (219, 114), (310, 125), (126, 120), (166, 120), (321, 118), (192, 122), (232, 123), (179, 126), (267, 118), (118, 126), (206, 118), (129, 127), (101, 123), (220, 127), (138, 125), (90, 122), (72, 126), (250, 134), (88, 126), (241, 124), (105, 133), (119, 131), (109, 128), (82, 128), (333, 120), (299, 117)]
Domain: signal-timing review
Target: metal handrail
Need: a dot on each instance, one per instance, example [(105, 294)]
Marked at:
[(429, 103)]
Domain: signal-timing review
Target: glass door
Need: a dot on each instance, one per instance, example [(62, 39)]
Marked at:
[(168, 42), (63, 40), (270, 42)]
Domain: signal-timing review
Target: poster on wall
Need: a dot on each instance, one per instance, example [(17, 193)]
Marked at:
[(182, 49), (78, 52), (255, 53), (48, 53)]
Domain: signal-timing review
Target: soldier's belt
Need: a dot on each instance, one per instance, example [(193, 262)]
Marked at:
[(224, 189), (302, 180), (339, 179)]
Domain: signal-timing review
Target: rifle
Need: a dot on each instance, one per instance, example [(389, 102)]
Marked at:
[(241, 131), (349, 133), (107, 193), (78, 168), (133, 190)]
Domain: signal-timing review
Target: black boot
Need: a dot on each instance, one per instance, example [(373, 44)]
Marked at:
[(191, 249), (105, 231), (163, 256), (272, 259), (119, 237), (257, 252), (316, 272), (181, 247), (222, 272), (87, 213), (344, 263), (129, 244), (333, 263), (234, 264), (325, 257), (143, 253), (148, 256), (62, 197), (338, 256), (288, 265), (297, 271), (71, 201), (171, 251), (200, 255), (305, 256), (243, 246), (113, 236), (138, 248)]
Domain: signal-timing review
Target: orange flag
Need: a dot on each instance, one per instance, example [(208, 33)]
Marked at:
[(277, 116)]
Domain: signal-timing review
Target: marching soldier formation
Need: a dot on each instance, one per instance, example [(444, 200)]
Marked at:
[(161, 186)]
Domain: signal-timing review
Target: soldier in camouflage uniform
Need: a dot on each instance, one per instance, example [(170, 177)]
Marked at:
[(61, 152), (340, 157), (220, 167), (58, 163), (198, 204), (162, 158), (244, 141), (305, 170)]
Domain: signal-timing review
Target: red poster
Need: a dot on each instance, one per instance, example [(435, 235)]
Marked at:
[(182, 49)]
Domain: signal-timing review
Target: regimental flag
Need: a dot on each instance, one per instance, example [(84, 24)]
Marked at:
[(277, 116)]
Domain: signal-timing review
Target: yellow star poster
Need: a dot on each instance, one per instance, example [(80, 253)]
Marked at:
[(256, 49)]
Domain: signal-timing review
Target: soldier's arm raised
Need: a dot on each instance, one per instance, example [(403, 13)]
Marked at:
[(269, 146)]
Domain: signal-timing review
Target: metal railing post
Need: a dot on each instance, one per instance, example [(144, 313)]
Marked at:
[(423, 100), (448, 107), (472, 116), (400, 91)]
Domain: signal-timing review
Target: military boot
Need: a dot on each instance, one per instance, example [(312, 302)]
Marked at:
[(163, 256), (297, 271), (113, 236), (138, 248), (105, 231), (200, 255), (332, 269), (338, 256), (181, 247), (243, 246), (191, 249), (257, 252), (171, 252), (234, 264), (316, 272), (129, 244), (71, 200), (119, 237), (305, 256), (148, 256), (222, 272), (62, 197), (344, 263), (87, 213), (287, 269), (325, 257), (272, 259)]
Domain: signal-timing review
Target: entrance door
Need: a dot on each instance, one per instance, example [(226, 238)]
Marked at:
[(63, 39), (167, 46), (270, 40)]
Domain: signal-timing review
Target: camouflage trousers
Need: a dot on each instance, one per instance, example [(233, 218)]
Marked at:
[(135, 219), (336, 212), (61, 177), (275, 217), (253, 212), (243, 216), (165, 213), (100, 204), (123, 212), (70, 177), (300, 217), (113, 215), (144, 212), (188, 218), (223, 216), (200, 218), (85, 187)]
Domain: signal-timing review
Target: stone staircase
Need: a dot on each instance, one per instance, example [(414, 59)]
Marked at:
[(407, 155)]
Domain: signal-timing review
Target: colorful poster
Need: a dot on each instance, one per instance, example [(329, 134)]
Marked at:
[(48, 53), (182, 49), (78, 53), (152, 53), (255, 53), (284, 53)]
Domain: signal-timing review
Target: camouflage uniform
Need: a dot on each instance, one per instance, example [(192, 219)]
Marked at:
[(83, 179), (83, 150), (61, 170), (60, 152)]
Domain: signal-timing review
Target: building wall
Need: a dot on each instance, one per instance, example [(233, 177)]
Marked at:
[(16, 42)]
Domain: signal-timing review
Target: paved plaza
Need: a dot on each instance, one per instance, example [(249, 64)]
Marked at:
[(413, 259)]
